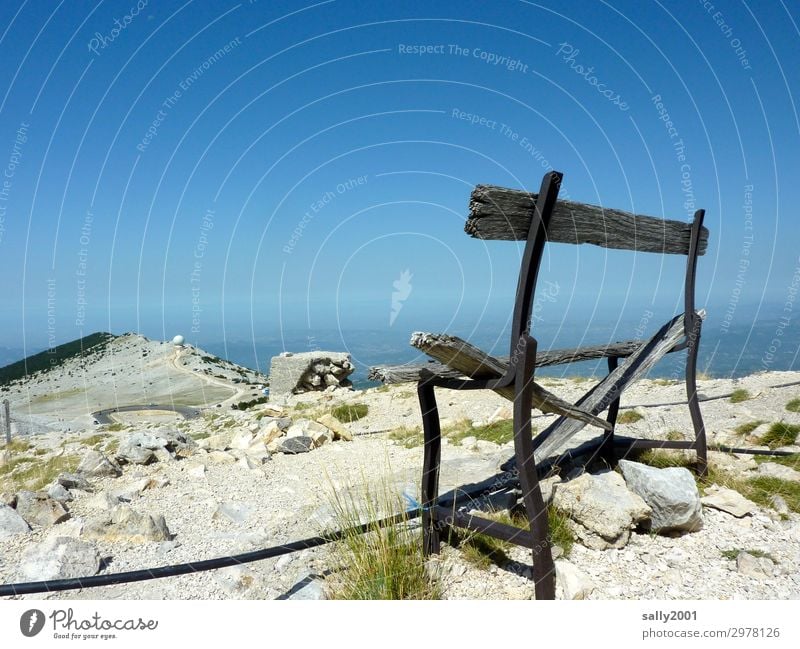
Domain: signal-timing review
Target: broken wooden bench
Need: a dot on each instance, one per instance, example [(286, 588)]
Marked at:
[(498, 213)]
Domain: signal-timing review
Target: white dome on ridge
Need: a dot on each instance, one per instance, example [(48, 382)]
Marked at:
[(178, 340)]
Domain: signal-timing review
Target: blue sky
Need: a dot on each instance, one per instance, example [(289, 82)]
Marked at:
[(236, 169)]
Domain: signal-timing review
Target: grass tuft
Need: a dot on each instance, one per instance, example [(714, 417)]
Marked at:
[(793, 405), (780, 434), (499, 432), (748, 427), (17, 445), (35, 474), (792, 461), (737, 396), (384, 563), (482, 550), (94, 440), (350, 412), (408, 437), (735, 552), (629, 417), (675, 436)]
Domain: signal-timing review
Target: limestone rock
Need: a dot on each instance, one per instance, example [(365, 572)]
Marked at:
[(103, 501), (39, 509), (270, 432), (603, 509), (729, 501), (239, 582), (340, 431), (242, 439), (775, 470), (671, 494), (197, 472), (73, 481), (295, 445), (293, 373), (59, 493), (130, 453), (95, 464), (60, 557), (308, 587), (126, 524), (218, 442), (161, 445), (320, 438), (234, 512), (755, 567), (11, 522), (571, 583)]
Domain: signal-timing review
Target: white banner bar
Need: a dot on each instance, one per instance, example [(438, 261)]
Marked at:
[(148, 624)]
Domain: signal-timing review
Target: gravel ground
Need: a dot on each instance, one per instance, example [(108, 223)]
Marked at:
[(289, 497)]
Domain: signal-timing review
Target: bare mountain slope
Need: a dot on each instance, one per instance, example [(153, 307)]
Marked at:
[(127, 370)]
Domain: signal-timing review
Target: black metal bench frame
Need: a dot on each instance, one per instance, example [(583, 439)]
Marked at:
[(519, 376)]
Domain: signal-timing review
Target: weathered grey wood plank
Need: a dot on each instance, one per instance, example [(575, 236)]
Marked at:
[(501, 213), (414, 372), (474, 363), (411, 372), (604, 393)]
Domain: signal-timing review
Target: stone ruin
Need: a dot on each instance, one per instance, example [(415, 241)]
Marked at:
[(291, 373)]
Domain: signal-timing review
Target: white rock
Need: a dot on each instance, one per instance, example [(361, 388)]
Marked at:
[(729, 501), (60, 557), (103, 501), (234, 512), (242, 439), (774, 470), (197, 472), (755, 567), (571, 583), (671, 494), (602, 507), (11, 522)]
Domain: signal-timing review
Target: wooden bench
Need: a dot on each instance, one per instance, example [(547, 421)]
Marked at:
[(507, 214)]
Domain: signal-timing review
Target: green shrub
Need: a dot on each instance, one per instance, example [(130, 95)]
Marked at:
[(737, 396), (793, 405), (384, 563), (350, 412), (408, 437), (629, 417), (748, 427), (732, 554), (780, 434)]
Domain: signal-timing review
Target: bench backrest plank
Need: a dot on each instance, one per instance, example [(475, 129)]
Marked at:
[(505, 214)]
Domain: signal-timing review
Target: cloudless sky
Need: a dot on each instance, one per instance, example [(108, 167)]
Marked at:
[(236, 169)]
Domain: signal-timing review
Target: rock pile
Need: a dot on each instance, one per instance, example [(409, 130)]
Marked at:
[(309, 371)]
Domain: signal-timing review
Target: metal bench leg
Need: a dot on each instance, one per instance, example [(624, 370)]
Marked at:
[(694, 404), (430, 467), (607, 450), (543, 566)]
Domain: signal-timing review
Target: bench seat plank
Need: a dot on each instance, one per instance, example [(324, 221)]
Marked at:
[(602, 395), (417, 371), (505, 214), (463, 357)]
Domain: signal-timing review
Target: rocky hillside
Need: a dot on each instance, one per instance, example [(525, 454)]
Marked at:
[(63, 389)]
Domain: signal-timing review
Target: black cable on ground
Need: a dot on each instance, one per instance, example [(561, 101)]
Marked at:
[(8, 590)]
